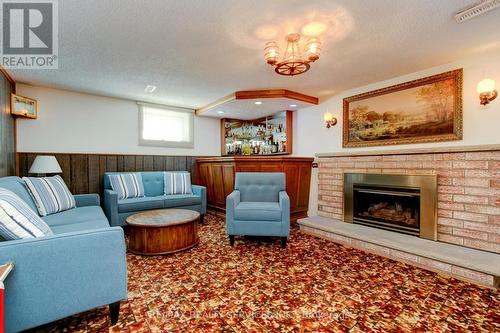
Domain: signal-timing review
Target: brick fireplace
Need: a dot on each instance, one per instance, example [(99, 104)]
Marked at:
[(466, 202), (468, 188)]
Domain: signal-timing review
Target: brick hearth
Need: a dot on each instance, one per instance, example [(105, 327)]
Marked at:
[(468, 189)]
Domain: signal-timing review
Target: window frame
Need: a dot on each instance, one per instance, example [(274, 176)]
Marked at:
[(162, 143)]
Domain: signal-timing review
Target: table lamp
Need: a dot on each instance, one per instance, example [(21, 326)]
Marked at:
[(45, 165)]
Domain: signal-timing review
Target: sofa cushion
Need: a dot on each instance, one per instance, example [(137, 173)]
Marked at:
[(258, 211), (82, 226), (177, 183), (138, 204), (18, 186), (76, 215), (127, 185), (18, 220), (178, 200), (51, 194), (153, 183)]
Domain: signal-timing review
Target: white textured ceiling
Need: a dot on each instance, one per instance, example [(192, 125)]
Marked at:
[(197, 51)]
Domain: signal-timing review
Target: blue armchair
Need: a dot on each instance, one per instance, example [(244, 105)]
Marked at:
[(258, 206)]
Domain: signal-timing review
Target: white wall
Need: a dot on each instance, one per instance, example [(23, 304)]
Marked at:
[(481, 125), (70, 122)]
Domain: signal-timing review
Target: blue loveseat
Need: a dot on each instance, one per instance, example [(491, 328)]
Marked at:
[(80, 267), (117, 211)]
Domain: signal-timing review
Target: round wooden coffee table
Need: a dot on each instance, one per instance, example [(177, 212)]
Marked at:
[(163, 231)]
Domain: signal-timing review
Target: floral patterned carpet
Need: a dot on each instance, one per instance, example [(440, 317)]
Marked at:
[(311, 286)]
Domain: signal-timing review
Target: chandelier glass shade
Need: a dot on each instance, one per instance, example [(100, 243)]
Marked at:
[(292, 62)]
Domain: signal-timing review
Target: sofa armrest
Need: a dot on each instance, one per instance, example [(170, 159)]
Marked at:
[(111, 206), (232, 201), (284, 201), (83, 200), (60, 275), (202, 192)]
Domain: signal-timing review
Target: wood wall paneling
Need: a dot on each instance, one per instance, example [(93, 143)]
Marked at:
[(83, 173), (292, 183), (218, 183), (148, 163), (79, 170), (94, 174), (7, 130)]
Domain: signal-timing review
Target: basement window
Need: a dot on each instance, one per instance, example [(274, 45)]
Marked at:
[(165, 126)]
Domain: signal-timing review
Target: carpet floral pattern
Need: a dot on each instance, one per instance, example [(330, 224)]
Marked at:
[(311, 286)]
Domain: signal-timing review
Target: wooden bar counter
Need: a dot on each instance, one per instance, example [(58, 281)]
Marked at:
[(217, 174)]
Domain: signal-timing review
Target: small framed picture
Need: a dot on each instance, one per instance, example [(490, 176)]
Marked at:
[(23, 106)]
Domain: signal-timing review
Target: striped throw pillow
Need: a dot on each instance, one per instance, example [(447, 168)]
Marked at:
[(177, 183), (127, 185), (51, 194), (17, 220)]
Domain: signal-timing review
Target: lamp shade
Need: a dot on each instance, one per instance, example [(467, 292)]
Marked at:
[(45, 164), (486, 86)]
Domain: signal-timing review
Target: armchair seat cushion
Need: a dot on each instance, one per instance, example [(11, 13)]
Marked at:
[(258, 211), (179, 200), (138, 204), (76, 216)]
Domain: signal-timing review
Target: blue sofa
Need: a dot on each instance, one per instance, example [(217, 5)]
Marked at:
[(258, 206), (117, 211), (80, 267)]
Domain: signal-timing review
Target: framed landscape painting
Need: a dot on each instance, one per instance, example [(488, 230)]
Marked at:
[(423, 110)]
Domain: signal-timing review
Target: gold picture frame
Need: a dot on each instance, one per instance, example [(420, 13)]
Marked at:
[(23, 106), (418, 111)]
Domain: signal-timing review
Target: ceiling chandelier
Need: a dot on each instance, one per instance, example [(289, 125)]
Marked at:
[(292, 63)]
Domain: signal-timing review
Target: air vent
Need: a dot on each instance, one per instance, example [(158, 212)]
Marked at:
[(476, 10)]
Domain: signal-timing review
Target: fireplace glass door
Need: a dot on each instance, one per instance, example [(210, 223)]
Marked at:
[(392, 208)]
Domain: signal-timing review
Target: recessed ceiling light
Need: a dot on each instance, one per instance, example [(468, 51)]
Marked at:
[(258, 103), (293, 105), (220, 112), (150, 89)]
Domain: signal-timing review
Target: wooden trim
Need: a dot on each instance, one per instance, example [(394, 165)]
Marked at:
[(8, 77), (97, 154), (259, 94), (215, 104), (438, 150), (255, 159), (289, 131), (276, 93), (13, 83), (222, 136)]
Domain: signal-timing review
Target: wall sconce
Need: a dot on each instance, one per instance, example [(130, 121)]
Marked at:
[(486, 90), (330, 120)]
